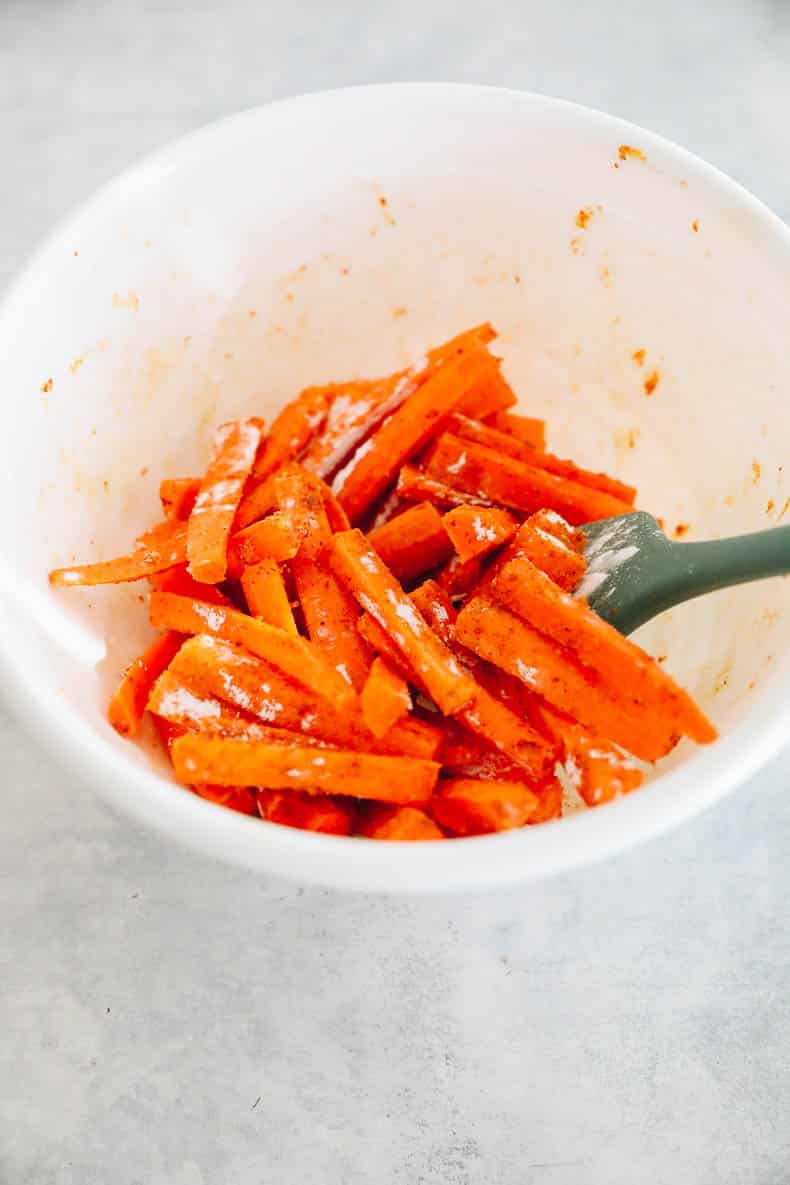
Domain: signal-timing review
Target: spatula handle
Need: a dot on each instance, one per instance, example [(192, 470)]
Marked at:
[(721, 563)]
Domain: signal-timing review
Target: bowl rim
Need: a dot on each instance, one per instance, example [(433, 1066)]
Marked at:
[(474, 863)]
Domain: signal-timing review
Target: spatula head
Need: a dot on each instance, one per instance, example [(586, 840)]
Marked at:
[(626, 557)]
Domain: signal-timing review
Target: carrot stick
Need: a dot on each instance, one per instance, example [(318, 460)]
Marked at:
[(272, 538), (477, 531), (331, 615), (178, 580), (403, 823), (145, 562), (469, 806), (380, 641), (598, 770), (434, 604), (258, 500), (503, 639), (408, 430), (467, 342), (467, 428), (622, 666), (235, 798), (178, 495), (584, 477), (307, 812), (524, 428), (356, 410), (294, 657), (549, 802), (378, 592), (129, 700), (413, 542), (547, 552), (230, 762), (554, 524), (413, 737), (491, 393), (484, 472), (266, 595), (292, 430), (416, 486), (384, 698), (211, 520), (172, 698), (167, 731)]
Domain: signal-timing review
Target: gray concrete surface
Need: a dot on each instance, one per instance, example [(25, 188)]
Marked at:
[(167, 1021)]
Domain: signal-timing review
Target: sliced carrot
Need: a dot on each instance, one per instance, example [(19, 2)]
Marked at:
[(470, 806), (266, 595), (524, 428), (412, 736), (307, 812), (172, 698), (476, 531), (331, 615), (167, 731), (301, 503), (294, 657), (378, 593), (548, 552), (230, 762), (484, 472), (585, 477), (623, 667), (178, 495), (356, 410), (549, 803), (554, 524), (129, 700), (258, 500), (467, 342), (503, 639), (416, 486), (381, 642), (435, 605), (212, 517), (384, 698), (178, 580), (409, 429), (467, 428), (272, 538), (235, 798), (491, 393), (413, 542), (292, 430), (458, 577), (167, 553), (403, 823)]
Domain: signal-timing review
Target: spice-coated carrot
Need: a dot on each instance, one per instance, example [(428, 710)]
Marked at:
[(258, 500), (414, 485), (458, 577), (584, 477), (549, 806), (475, 531), (467, 428), (271, 538), (211, 520), (378, 593), (436, 607), (355, 411), (147, 560), (413, 542), (415, 422), (306, 812), (380, 641), (554, 524), (548, 552), (468, 806), (131, 696), (598, 770), (330, 616), (230, 762), (173, 698), (294, 657), (484, 472), (266, 595), (490, 393), (178, 580), (301, 503), (508, 642), (403, 823), (167, 731), (384, 698), (235, 798), (178, 495), (622, 666), (524, 428), (292, 430), (467, 342)]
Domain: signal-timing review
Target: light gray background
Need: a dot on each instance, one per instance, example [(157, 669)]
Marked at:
[(167, 1021)]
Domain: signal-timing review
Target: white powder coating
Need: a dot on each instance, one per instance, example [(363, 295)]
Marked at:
[(190, 764), (182, 702), (551, 516), (319, 761), (342, 476), (294, 773), (369, 564), (573, 770), (213, 615), (605, 555), (440, 613), (223, 495), (361, 417), (406, 612), (458, 465), (308, 721), (552, 539), (526, 673), (483, 533), (343, 669), (69, 577)]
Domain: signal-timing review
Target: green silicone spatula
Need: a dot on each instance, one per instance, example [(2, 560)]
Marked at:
[(634, 572)]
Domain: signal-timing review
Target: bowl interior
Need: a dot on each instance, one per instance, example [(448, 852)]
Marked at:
[(341, 235)]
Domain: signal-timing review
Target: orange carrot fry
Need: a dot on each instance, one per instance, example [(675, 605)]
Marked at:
[(584, 477), (178, 495), (484, 472), (272, 538), (356, 410), (623, 667), (173, 699), (467, 342), (235, 798), (458, 577), (475, 531), (416, 486), (598, 770), (258, 500), (292, 430), (331, 615), (491, 393), (413, 737), (524, 428), (384, 698), (554, 524), (145, 562), (503, 639), (307, 812), (167, 731), (378, 592), (212, 517), (178, 580), (467, 428), (409, 429), (434, 603), (548, 552), (266, 595), (129, 700), (380, 641), (230, 762), (293, 656), (469, 806), (402, 823), (413, 542), (549, 802)]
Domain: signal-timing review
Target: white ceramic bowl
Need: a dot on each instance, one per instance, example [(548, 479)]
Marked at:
[(258, 255)]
